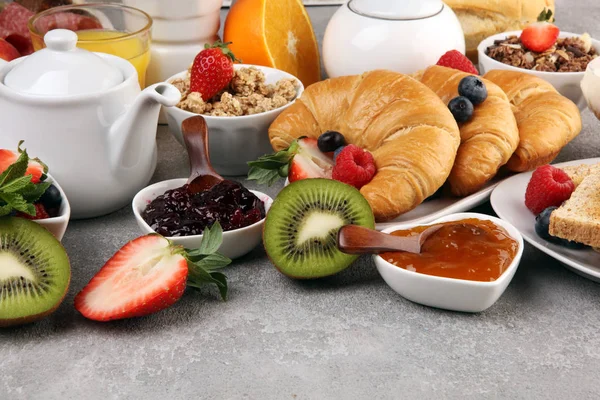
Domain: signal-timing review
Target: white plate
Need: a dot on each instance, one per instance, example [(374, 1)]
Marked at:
[(508, 201), (431, 210)]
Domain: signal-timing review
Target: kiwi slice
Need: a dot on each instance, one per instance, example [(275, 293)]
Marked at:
[(300, 234), (34, 271)]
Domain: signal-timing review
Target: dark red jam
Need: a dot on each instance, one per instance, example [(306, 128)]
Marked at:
[(181, 213)]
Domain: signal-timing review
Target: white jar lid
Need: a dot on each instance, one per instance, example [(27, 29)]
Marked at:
[(62, 69), (396, 9)]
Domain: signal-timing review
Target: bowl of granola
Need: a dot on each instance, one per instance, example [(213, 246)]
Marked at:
[(238, 117), (563, 64)]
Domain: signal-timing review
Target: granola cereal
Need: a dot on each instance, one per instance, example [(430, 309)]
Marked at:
[(567, 55), (247, 94)]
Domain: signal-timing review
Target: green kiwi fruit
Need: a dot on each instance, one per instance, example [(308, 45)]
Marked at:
[(300, 234), (34, 272)]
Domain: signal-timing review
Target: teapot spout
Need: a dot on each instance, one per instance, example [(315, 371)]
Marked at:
[(133, 136)]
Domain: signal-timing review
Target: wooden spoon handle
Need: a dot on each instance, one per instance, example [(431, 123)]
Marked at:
[(195, 135), (353, 239)]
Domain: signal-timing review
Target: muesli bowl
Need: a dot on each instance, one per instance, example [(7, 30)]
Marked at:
[(236, 242), (235, 140), (566, 83)]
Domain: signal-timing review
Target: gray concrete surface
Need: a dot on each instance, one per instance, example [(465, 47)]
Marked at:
[(346, 337)]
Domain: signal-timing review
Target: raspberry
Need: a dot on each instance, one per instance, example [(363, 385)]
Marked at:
[(40, 213), (455, 59), (548, 187), (354, 166)]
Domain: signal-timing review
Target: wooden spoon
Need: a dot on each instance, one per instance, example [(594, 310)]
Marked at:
[(202, 174), (354, 239)]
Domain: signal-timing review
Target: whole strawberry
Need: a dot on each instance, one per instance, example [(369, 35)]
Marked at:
[(541, 35), (212, 70), (455, 59)]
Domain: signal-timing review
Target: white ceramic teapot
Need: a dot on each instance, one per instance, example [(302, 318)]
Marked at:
[(85, 116), (400, 35)]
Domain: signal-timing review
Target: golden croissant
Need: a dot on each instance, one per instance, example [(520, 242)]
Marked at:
[(408, 129), (488, 140), (547, 121)]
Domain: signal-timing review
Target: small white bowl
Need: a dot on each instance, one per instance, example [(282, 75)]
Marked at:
[(448, 293), (233, 141), (567, 83), (236, 243), (58, 225)]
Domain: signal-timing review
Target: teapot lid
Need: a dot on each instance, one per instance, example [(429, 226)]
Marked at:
[(397, 9), (62, 69)]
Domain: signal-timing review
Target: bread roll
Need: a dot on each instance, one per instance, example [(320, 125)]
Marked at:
[(408, 129), (481, 19)]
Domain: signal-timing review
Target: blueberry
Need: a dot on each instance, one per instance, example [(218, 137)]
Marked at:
[(473, 89), (461, 108), (542, 225), (330, 140), (337, 152), (542, 228), (51, 198)]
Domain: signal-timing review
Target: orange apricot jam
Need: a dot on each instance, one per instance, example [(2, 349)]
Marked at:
[(471, 249)]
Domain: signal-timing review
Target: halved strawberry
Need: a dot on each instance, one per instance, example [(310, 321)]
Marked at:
[(540, 36), (150, 274), (310, 162), (147, 275), (35, 168)]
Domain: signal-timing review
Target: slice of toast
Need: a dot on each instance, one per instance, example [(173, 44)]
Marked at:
[(578, 172), (578, 219)]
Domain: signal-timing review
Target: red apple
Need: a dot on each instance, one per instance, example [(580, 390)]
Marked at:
[(8, 51)]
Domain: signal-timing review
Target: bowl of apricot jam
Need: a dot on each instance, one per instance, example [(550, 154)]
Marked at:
[(465, 266)]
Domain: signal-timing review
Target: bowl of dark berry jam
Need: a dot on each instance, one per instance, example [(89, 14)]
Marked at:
[(171, 210)]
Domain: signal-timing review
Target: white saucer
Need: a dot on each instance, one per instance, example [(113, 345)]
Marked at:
[(508, 201)]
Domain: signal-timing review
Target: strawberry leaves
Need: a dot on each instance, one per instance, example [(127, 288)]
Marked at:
[(270, 167), (204, 262), (17, 191)]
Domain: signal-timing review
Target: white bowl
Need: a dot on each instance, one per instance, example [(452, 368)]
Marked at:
[(402, 36), (233, 141), (58, 225), (236, 243), (448, 293), (567, 83)]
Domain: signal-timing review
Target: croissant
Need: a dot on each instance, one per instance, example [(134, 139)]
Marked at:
[(408, 129), (547, 121), (487, 140)]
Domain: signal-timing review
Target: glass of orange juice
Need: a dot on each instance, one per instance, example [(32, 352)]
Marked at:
[(101, 27)]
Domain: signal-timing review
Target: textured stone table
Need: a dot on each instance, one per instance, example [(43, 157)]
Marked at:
[(345, 337)]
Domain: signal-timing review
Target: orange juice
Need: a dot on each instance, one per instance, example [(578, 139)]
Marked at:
[(134, 49)]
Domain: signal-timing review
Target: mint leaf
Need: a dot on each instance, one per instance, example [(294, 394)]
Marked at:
[(5, 210), (204, 260), (15, 170), (265, 170), (17, 185), (212, 262), (33, 192), (263, 176), (211, 240), (198, 278), (18, 203)]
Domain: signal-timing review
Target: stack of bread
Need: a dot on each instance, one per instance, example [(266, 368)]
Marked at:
[(481, 19), (416, 142), (578, 219)]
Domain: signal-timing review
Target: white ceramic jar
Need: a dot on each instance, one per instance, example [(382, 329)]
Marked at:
[(400, 35), (179, 31)]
